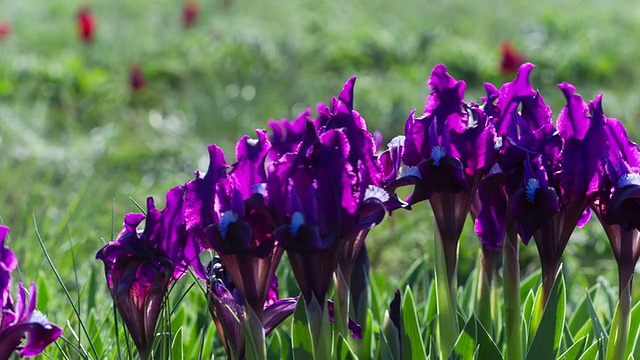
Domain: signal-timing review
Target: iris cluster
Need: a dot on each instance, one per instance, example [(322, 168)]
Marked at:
[(314, 187)]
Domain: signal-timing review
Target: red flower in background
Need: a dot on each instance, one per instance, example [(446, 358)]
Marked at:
[(5, 29), (86, 24), (511, 58), (136, 78), (190, 13)]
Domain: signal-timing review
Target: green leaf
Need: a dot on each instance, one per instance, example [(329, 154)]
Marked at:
[(431, 313), (384, 352), (178, 319), (43, 292), (177, 352), (92, 289), (274, 349), (634, 332), (475, 343), (391, 338), (412, 344), (416, 272), (467, 298), (592, 351), (574, 351), (301, 342), (530, 283), (547, 337), (527, 310), (581, 313), (536, 313), (367, 341), (207, 346), (598, 330), (447, 324), (343, 350)]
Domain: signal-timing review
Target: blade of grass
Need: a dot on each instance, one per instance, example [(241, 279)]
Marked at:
[(64, 288)]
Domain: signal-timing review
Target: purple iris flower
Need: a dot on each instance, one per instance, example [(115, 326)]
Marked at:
[(523, 126), (20, 320), (326, 195), (228, 313), (446, 152), (141, 265), (573, 175), (229, 212), (619, 201)]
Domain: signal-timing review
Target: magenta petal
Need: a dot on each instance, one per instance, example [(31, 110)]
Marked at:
[(8, 263), (447, 94), (584, 218), (201, 192), (249, 168), (346, 95), (573, 120)]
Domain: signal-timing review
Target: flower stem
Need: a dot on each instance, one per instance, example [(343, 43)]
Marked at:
[(446, 304), (616, 349), (513, 323), (485, 283), (255, 341)]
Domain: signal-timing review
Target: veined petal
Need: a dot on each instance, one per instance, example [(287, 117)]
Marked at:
[(278, 312)]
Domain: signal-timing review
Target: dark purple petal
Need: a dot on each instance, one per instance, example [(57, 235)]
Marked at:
[(444, 175), (532, 211), (39, 332), (491, 222), (394, 311), (391, 159), (417, 144), (420, 192), (287, 134), (278, 312), (237, 238), (228, 315), (624, 155), (371, 210), (624, 208)]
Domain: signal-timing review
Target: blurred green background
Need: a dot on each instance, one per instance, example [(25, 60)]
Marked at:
[(76, 142)]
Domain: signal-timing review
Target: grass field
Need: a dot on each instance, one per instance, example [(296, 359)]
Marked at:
[(76, 142)]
